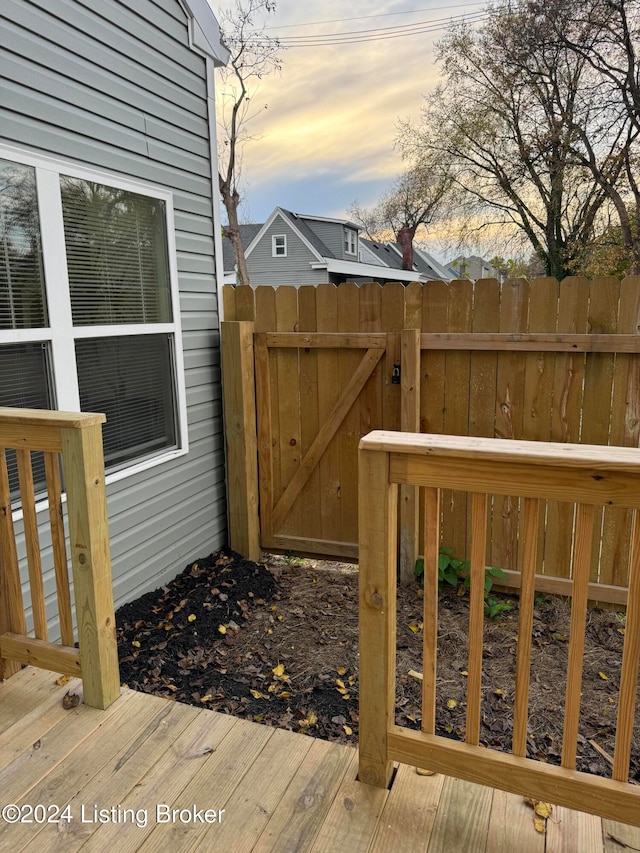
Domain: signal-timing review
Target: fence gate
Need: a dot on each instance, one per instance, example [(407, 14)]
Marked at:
[(308, 371)]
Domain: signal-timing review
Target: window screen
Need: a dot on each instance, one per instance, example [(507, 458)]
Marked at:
[(117, 255), (22, 300), (129, 378)]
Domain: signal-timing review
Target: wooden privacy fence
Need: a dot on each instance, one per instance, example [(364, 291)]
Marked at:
[(591, 476), (77, 438), (308, 371)]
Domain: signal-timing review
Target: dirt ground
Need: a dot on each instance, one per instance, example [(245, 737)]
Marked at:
[(277, 643)]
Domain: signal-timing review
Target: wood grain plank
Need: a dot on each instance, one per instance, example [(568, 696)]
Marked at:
[(378, 506), (479, 504), (12, 616), (569, 831), (462, 821), (298, 817), (511, 826), (59, 548), (407, 820), (630, 660), (581, 562), (409, 422), (32, 543), (328, 394), (530, 516), (288, 409), (264, 436), (430, 607), (310, 497)]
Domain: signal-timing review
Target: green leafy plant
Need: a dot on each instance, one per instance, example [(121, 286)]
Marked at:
[(456, 572)]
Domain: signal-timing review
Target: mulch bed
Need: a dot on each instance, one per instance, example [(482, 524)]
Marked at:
[(277, 643)]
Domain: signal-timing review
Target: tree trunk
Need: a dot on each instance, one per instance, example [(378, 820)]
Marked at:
[(231, 200)]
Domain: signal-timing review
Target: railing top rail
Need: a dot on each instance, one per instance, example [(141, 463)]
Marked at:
[(544, 453), (40, 417)]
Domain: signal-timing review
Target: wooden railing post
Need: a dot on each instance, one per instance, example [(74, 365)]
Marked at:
[(83, 466), (377, 526), (409, 422), (238, 384)]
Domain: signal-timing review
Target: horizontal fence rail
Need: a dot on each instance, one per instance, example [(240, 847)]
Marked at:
[(71, 442), (588, 476)]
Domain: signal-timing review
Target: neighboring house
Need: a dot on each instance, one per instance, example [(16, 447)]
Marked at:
[(472, 267), (109, 268), (296, 249)]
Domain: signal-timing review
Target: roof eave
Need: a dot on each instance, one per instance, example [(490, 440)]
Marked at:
[(205, 31)]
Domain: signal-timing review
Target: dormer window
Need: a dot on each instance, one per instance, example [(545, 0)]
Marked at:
[(350, 241), (279, 246)]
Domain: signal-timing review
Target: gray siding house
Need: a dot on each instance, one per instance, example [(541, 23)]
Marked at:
[(110, 258), (296, 249)]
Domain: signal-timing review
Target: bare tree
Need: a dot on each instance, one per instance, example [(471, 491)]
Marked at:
[(505, 122), (413, 201), (254, 54)]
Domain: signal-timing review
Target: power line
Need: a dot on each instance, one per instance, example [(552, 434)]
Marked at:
[(382, 15), (379, 30)]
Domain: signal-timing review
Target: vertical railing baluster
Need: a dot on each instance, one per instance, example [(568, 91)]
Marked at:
[(630, 660), (54, 493), (430, 604), (476, 615), (32, 543), (531, 512), (580, 595)]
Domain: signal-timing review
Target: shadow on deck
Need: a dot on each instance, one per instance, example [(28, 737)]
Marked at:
[(261, 788)]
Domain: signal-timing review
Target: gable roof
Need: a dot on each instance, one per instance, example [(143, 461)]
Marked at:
[(298, 223)]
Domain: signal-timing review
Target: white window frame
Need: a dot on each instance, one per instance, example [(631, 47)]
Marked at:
[(275, 246), (350, 241), (62, 334)]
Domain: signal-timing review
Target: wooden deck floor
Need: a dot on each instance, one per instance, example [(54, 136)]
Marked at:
[(279, 791)]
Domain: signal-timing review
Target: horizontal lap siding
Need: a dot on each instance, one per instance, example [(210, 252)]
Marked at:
[(114, 86)]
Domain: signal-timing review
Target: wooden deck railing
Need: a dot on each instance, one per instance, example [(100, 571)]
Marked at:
[(587, 475), (78, 439)]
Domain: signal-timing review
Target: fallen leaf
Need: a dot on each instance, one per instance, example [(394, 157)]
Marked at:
[(222, 629), (284, 695), (206, 698), (500, 692), (63, 680), (70, 700), (278, 671), (451, 703), (422, 771), (339, 682), (257, 694), (348, 730), (540, 825), (603, 676), (464, 672), (341, 670), (543, 809), (413, 627), (135, 643), (191, 617)]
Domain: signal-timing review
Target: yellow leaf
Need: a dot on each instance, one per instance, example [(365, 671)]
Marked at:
[(345, 695), (284, 695), (136, 644), (206, 698), (280, 618), (278, 671), (451, 703), (63, 680), (422, 771), (342, 690), (500, 692), (341, 670), (191, 617), (620, 630), (272, 688), (413, 627), (339, 682), (311, 718), (603, 676), (257, 695), (539, 824), (464, 672), (542, 809), (348, 730), (222, 629)]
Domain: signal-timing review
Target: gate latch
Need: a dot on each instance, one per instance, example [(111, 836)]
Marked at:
[(395, 375)]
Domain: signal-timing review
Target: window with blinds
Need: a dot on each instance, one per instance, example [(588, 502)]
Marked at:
[(92, 327), (22, 297), (117, 256), (128, 378)]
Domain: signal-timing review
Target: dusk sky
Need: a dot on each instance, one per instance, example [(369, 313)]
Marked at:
[(327, 135)]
